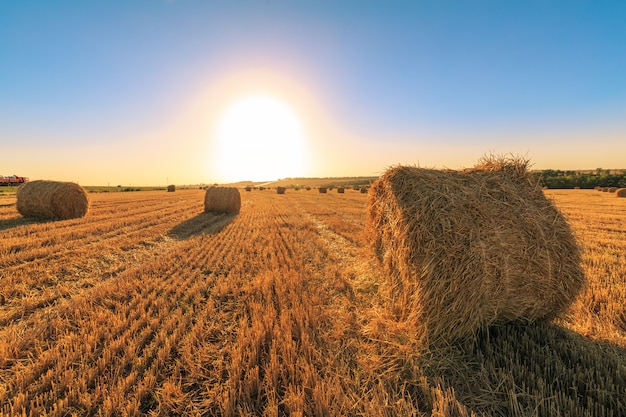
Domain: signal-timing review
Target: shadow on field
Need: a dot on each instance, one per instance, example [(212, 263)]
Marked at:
[(203, 223), (539, 369), (19, 221)]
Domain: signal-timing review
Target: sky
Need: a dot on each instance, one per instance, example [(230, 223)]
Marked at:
[(153, 92)]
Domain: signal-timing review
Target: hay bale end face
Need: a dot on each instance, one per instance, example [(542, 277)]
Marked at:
[(52, 200), (341, 190), (322, 190), (222, 200), (281, 190), (467, 249), (620, 192), (611, 189), (171, 188)]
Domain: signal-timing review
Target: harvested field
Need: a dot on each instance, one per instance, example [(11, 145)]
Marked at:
[(151, 306)]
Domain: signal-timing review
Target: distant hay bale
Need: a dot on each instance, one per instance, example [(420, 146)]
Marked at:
[(467, 249), (280, 190), (222, 200), (248, 188), (605, 189), (340, 190), (620, 192), (171, 188), (322, 190), (52, 200), (611, 189), (364, 190)]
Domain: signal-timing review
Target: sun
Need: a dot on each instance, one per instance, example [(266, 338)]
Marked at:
[(259, 138)]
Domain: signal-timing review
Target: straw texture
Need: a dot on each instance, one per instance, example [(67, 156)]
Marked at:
[(222, 200), (52, 200), (466, 249)]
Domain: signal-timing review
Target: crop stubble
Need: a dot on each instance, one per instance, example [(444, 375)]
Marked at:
[(150, 306)]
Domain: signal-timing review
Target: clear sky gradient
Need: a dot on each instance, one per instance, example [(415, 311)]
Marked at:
[(131, 92)]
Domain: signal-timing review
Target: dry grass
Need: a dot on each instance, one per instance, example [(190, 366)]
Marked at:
[(151, 306)]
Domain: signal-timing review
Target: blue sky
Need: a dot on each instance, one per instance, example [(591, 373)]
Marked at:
[(90, 85)]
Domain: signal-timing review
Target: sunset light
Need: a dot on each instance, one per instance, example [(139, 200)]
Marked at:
[(259, 138), (313, 208)]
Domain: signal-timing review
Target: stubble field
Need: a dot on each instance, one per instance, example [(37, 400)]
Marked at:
[(149, 306)]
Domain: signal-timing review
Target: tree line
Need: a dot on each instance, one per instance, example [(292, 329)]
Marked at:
[(551, 178)]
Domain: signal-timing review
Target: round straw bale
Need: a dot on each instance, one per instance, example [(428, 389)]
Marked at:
[(467, 249), (248, 188), (322, 190), (171, 188), (611, 189), (280, 190), (52, 200), (340, 190), (222, 200), (620, 192)]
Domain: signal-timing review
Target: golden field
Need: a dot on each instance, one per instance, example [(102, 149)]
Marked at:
[(149, 306)]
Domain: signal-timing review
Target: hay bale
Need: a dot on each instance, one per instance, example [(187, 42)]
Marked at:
[(171, 188), (281, 190), (322, 190), (52, 200), (620, 192), (364, 190), (222, 200), (340, 190), (467, 249), (611, 189), (248, 189)]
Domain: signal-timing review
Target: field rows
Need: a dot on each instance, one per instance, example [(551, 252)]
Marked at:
[(148, 306)]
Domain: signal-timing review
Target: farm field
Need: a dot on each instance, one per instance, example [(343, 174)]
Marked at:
[(149, 306)]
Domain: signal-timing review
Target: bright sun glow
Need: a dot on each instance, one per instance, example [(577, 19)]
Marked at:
[(260, 138)]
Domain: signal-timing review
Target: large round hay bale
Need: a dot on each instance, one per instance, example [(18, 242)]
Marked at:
[(222, 200), (322, 190), (611, 189), (340, 190), (52, 200), (280, 190), (467, 249), (620, 192), (171, 188)]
